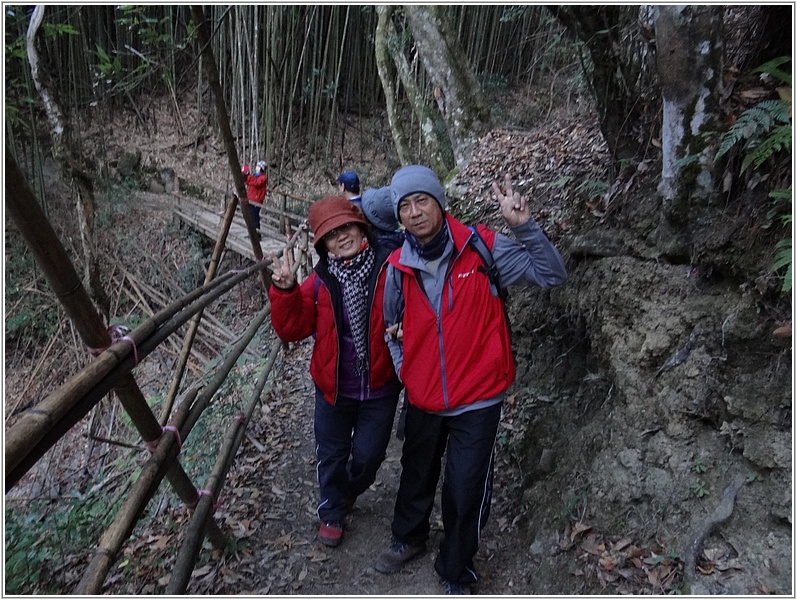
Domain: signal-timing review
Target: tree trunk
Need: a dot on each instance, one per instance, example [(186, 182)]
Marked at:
[(209, 61), (432, 126), (459, 98), (387, 74), (689, 62), (74, 174), (620, 82)]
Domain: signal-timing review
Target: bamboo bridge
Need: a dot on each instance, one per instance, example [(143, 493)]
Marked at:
[(280, 215)]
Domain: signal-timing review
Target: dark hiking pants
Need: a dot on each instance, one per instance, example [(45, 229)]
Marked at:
[(351, 440), (468, 441)]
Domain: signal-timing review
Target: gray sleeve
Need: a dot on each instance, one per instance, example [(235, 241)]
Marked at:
[(531, 260), (393, 310)]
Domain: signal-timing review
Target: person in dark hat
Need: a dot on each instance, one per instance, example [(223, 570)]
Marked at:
[(356, 388), (377, 205), (450, 344), (349, 186)]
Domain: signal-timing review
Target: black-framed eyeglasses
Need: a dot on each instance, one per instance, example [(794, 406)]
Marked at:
[(333, 233)]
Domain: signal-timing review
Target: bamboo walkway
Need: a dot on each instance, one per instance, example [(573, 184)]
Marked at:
[(207, 220)]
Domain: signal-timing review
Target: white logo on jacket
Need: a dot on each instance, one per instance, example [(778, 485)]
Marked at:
[(466, 274)]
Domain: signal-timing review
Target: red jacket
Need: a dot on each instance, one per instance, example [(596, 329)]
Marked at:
[(467, 356), (256, 188), (295, 315)]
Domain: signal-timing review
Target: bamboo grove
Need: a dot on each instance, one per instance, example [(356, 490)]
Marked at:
[(288, 72)]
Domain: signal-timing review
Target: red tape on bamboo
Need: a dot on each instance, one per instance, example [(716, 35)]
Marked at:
[(153, 444), (118, 333), (199, 494)]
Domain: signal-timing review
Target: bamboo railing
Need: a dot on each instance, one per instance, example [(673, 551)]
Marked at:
[(40, 427)]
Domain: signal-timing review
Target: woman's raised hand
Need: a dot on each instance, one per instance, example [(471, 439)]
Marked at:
[(282, 270)]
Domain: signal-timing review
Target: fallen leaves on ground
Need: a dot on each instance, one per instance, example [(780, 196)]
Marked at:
[(620, 564)]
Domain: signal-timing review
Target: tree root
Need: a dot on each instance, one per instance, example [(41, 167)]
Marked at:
[(720, 514)]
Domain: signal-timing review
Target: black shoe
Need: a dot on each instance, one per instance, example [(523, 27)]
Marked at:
[(395, 557), (451, 588)]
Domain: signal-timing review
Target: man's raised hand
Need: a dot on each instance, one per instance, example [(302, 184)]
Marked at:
[(514, 207)]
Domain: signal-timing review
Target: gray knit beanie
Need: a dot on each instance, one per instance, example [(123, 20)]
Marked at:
[(378, 208), (413, 179)]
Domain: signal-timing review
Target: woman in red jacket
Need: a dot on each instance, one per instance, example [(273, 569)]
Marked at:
[(356, 388)]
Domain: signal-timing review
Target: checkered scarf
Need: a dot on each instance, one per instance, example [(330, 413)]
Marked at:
[(353, 277)]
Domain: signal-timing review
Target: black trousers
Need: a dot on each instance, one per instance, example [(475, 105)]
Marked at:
[(351, 443), (256, 213), (468, 442)]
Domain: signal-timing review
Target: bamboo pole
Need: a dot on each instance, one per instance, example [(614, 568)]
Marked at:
[(188, 341), (24, 433), (189, 551), (39, 428), (224, 369), (226, 133), (184, 420), (130, 512)]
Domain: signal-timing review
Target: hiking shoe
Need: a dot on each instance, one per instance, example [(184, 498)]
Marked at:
[(330, 534), (452, 588), (392, 559)]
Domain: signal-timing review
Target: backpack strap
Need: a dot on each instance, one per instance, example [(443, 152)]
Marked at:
[(489, 268)]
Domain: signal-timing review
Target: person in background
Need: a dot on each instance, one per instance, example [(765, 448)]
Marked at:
[(377, 206), (356, 388), (256, 184), (349, 186), (450, 342)]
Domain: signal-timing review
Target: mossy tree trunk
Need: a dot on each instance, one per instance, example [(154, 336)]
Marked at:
[(431, 125), (456, 91), (689, 60), (387, 75)]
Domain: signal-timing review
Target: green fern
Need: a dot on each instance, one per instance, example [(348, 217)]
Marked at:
[(773, 68), (753, 123), (779, 139), (783, 249)]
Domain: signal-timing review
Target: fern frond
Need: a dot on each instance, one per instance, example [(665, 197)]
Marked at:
[(779, 139), (772, 68), (781, 195), (753, 122), (593, 189)]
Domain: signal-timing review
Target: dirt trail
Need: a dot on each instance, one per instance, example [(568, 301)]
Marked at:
[(280, 553)]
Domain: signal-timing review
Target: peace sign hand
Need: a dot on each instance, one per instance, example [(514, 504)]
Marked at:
[(514, 207), (282, 270)]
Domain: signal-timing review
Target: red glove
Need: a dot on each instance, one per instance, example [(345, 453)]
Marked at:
[(245, 170)]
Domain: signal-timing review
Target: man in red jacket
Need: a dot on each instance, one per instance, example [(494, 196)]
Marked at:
[(256, 189), (451, 348)]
